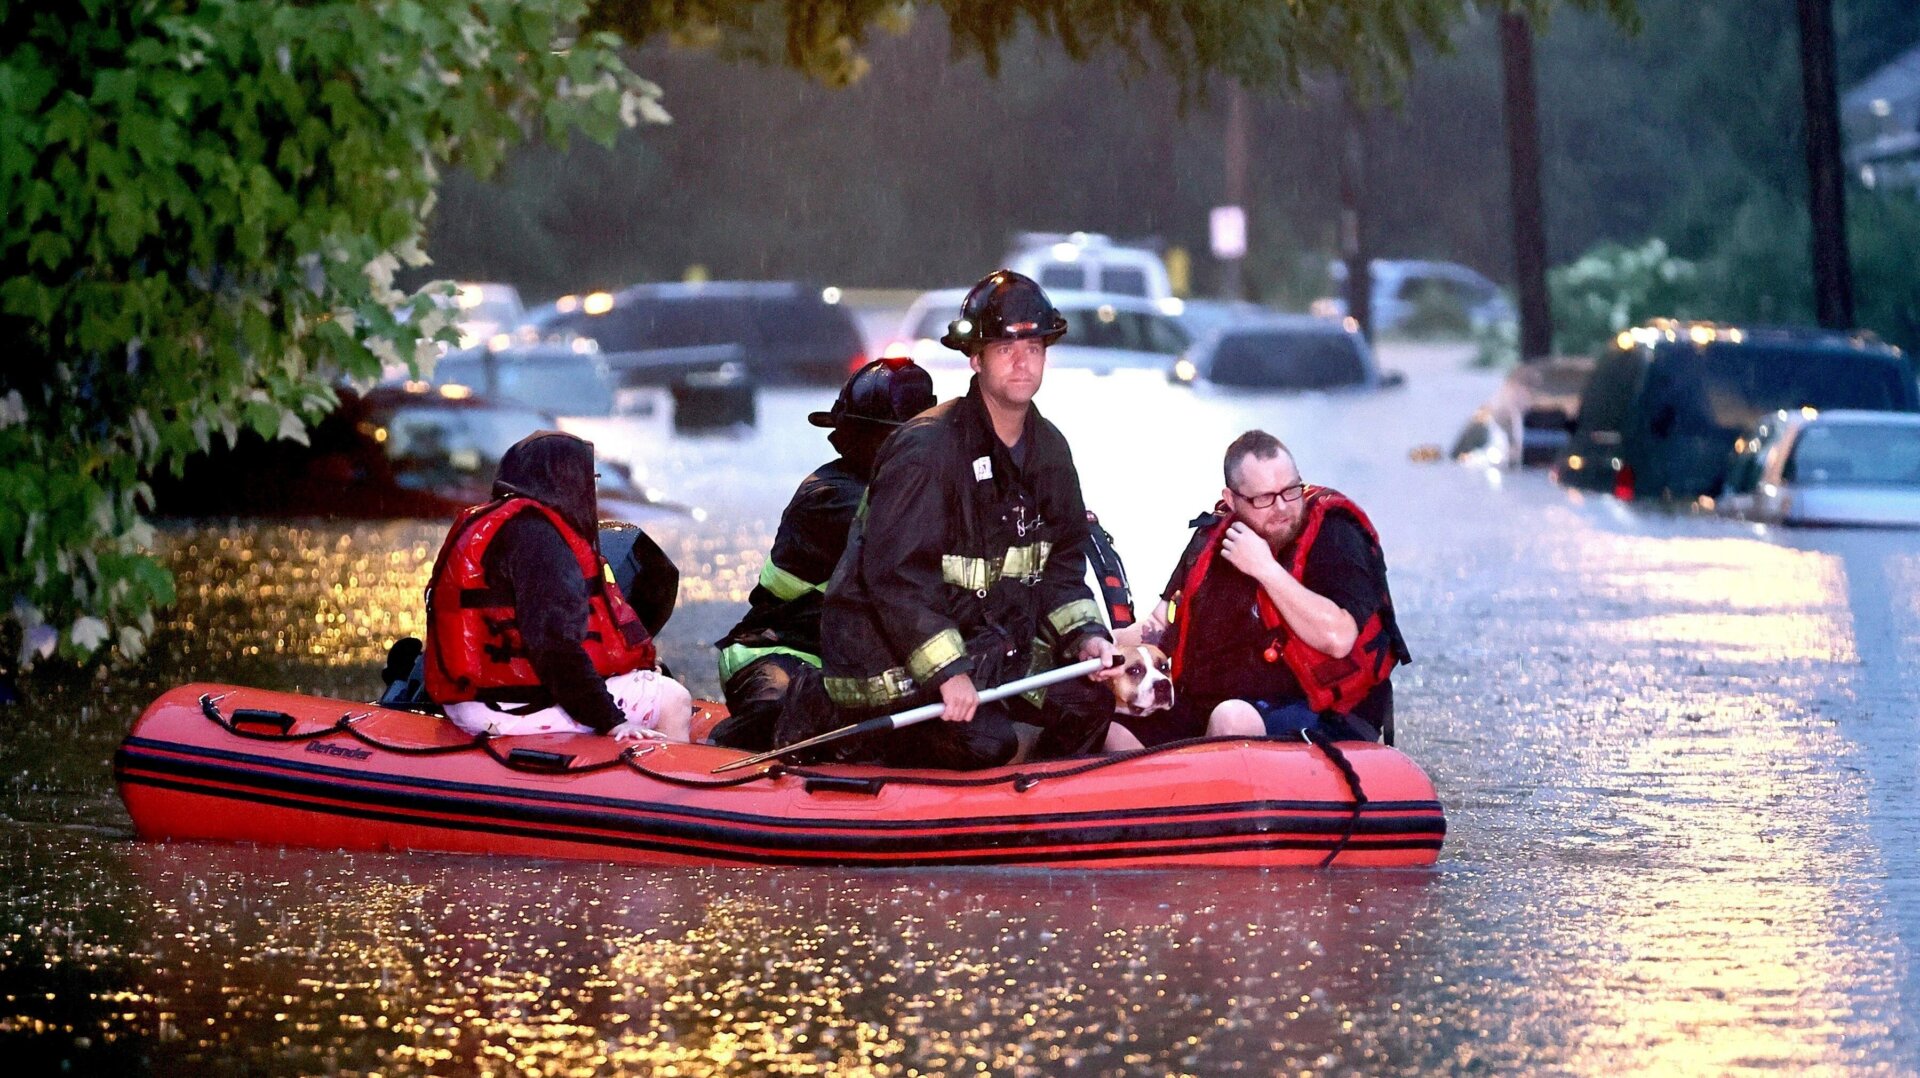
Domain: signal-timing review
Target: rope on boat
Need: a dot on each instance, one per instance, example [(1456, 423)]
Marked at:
[(1021, 781), (210, 707), (540, 763), (348, 723), (1345, 766), (631, 758)]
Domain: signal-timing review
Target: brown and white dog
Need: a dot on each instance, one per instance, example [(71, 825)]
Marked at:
[(1143, 686)]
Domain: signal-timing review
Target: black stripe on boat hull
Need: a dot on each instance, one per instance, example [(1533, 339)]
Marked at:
[(1051, 855), (1026, 844), (272, 772)]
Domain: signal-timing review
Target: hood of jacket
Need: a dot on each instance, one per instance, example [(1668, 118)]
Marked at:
[(556, 470)]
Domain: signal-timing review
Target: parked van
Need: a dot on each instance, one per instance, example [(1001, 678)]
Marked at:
[(1090, 262), (1659, 417)]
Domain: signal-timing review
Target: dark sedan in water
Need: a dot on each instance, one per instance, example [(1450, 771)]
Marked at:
[(393, 451), (1283, 352)]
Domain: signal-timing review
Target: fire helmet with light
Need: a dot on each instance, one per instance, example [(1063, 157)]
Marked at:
[(1004, 306)]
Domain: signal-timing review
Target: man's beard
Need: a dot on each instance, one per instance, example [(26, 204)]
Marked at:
[(1288, 532)]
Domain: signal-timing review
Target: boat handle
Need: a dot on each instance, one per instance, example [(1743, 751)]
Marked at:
[(845, 784), (537, 760), (280, 721)]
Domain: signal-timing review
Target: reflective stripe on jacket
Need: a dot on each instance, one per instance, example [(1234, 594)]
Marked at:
[(783, 610), (957, 547)]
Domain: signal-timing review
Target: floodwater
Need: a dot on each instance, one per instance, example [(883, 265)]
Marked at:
[(1676, 755)]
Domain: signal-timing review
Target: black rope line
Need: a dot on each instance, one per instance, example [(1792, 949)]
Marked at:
[(346, 723), (1345, 767), (1020, 781), (631, 758)]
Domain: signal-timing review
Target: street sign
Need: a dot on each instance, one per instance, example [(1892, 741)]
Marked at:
[(1227, 229)]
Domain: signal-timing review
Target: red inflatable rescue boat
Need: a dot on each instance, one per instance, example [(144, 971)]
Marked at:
[(214, 762)]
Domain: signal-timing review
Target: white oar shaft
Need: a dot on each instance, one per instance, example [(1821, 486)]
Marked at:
[(1001, 692), (919, 714)]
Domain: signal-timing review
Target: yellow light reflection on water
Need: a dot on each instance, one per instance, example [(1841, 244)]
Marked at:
[(320, 962), (336, 594), (1730, 600), (1747, 952)]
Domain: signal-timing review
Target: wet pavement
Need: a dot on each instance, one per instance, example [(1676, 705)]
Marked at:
[(1675, 752)]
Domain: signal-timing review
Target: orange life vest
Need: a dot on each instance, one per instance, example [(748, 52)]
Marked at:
[(473, 642), (1330, 684)]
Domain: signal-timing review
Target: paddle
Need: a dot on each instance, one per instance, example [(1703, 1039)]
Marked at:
[(924, 712)]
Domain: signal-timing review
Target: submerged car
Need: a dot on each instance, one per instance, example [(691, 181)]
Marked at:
[(1665, 404), (1529, 419), (1844, 467), (1106, 332), (394, 451), (1420, 297), (781, 331), (1200, 317), (1283, 352), (560, 381), (484, 310)]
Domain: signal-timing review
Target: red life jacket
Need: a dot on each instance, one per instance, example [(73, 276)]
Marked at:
[(1330, 684), (473, 643)]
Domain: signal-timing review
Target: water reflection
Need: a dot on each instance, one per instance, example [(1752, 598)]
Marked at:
[(1676, 755), (464, 964)]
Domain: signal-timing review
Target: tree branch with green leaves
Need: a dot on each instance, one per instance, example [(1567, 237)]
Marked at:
[(205, 208), (1258, 42), (206, 204)]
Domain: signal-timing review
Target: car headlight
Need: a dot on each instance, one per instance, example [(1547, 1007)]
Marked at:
[(1183, 369)]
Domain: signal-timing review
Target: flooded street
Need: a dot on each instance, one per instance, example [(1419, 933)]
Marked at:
[(1676, 755)]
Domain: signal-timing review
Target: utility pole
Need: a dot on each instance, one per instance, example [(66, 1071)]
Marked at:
[(1826, 186), (1232, 286), (1353, 245), (1523, 181)]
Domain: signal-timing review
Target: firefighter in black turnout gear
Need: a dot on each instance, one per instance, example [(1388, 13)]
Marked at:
[(967, 565), (780, 636)]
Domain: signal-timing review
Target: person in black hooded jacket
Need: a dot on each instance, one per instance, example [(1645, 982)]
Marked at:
[(526, 632)]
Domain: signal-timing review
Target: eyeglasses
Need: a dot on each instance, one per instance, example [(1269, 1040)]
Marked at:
[(1265, 501)]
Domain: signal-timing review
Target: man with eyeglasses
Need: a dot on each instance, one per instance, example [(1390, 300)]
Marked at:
[(1278, 618)]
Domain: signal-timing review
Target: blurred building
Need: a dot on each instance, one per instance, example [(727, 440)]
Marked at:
[(1881, 120)]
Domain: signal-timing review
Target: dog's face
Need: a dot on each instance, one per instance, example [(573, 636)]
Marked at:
[(1143, 686)]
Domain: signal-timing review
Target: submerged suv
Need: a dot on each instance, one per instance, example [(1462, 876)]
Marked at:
[(1659, 417), (786, 332)]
